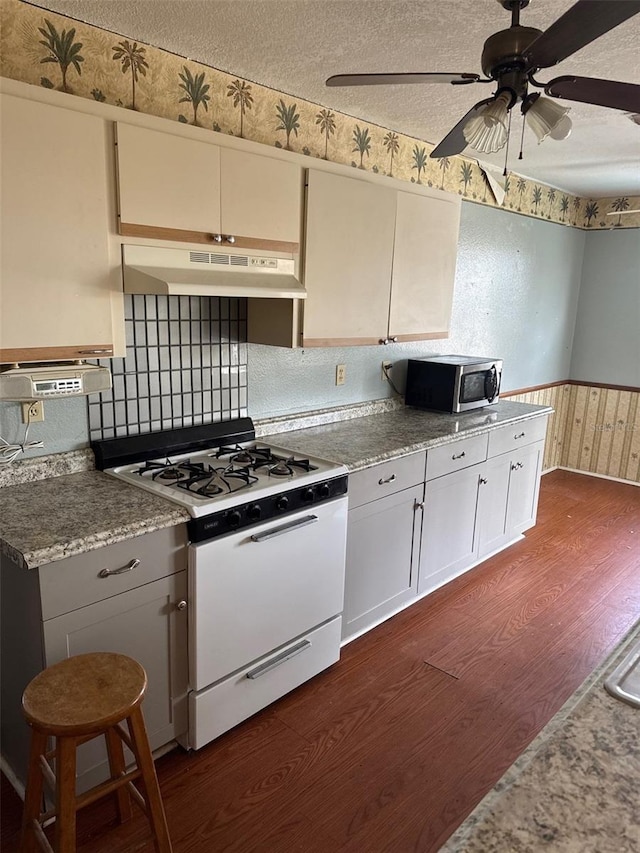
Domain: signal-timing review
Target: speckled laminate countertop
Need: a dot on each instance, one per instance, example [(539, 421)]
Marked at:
[(366, 441), (575, 789), (47, 520)]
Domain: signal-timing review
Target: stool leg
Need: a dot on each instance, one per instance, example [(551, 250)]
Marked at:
[(117, 768), (65, 835), (33, 793), (144, 759)]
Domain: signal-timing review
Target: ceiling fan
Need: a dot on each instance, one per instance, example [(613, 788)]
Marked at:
[(510, 58)]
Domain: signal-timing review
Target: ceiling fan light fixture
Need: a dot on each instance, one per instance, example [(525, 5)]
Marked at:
[(546, 117), (487, 131)]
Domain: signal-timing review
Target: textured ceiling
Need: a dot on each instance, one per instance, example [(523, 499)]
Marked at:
[(294, 45)]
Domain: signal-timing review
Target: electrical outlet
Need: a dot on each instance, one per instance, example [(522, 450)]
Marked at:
[(384, 371), (32, 412), (341, 374)]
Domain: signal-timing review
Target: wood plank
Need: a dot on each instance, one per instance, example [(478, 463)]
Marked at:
[(72, 353), (385, 752), (155, 232)]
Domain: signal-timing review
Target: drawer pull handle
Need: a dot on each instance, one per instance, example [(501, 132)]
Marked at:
[(131, 565), (519, 435), (517, 466), (483, 481), (284, 528), (181, 605), (287, 654), (384, 480), (459, 456)]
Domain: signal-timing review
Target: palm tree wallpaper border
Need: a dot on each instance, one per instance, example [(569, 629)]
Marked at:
[(96, 64)]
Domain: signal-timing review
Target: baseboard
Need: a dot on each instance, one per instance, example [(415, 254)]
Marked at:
[(599, 476)]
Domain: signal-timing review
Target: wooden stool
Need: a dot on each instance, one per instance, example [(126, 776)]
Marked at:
[(74, 701)]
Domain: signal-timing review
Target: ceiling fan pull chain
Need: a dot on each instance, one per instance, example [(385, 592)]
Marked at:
[(521, 140), (506, 153)]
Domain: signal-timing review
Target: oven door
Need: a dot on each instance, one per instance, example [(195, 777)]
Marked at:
[(257, 589)]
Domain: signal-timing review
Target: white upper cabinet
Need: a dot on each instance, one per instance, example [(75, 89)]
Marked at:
[(61, 289), (379, 262), (348, 256), (424, 266), (174, 187), (167, 181)]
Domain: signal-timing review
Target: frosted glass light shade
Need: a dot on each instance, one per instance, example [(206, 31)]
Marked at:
[(546, 117), (487, 131)]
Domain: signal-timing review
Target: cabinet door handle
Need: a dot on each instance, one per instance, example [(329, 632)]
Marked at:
[(459, 456), (418, 505), (483, 481), (131, 565), (384, 480), (287, 654), (230, 238), (181, 605), (217, 238), (519, 435)]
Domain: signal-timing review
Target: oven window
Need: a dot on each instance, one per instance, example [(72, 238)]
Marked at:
[(473, 387)]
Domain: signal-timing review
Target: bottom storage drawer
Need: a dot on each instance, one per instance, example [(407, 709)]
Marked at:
[(216, 709)]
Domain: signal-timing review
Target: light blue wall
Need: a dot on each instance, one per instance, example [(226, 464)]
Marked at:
[(516, 298), (607, 339)]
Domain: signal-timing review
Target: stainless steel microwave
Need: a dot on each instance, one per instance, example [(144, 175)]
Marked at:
[(452, 383)]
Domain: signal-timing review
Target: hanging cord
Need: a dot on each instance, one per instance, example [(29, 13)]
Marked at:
[(8, 452), (521, 139), (386, 370), (506, 153)]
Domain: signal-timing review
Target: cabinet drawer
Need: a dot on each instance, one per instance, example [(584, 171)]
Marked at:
[(217, 709), (385, 479), (76, 581), (516, 435), (456, 456)]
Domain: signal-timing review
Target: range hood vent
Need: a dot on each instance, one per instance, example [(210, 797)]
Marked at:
[(228, 272)]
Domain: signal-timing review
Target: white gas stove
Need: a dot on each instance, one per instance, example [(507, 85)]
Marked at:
[(266, 561)]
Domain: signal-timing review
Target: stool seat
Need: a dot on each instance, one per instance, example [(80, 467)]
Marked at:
[(83, 694), (71, 702)]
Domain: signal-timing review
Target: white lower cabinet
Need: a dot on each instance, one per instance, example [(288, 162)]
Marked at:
[(382, 542), (129, 598)]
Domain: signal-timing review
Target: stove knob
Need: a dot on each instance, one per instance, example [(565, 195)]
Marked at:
[(307, 496), (324, 490), (282, 502), (254, 512), (234, 518)]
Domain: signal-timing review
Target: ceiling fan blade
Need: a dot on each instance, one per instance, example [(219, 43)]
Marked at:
[(584, 22), (454, 142), (401, 77), (591, 90)]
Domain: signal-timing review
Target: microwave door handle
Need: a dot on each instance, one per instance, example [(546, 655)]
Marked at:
[(491, 385)]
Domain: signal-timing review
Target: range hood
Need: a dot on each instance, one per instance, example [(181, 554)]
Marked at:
[(223, 272)]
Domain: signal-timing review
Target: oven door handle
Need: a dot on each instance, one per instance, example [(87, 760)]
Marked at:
[(284, 528)]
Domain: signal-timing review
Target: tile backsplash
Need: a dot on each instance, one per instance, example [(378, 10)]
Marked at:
[(186, 364)]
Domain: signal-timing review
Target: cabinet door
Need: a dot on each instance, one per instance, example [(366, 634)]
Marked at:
[(166, 181), (61, 296), (261, 198), (524, 486), (145, 624), (424, 266), (349, 248), (448, 529), (491, 518), (381, 559)]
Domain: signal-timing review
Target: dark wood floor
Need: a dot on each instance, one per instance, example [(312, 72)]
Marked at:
[(389, 750)]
